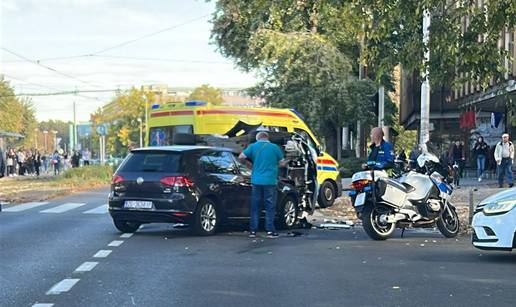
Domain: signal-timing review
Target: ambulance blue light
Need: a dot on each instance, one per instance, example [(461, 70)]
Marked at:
[(195, 103), (298, 114), (155, 106)]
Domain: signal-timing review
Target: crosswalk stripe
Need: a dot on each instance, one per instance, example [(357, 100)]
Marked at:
[(24, 207), (63, 208), (99, 210)]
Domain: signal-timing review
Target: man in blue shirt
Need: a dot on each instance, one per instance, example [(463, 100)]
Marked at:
[(381, 151), (266, 157)]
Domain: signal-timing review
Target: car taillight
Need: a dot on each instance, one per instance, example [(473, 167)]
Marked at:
[(117, 179), (360, 184), (179, 181)]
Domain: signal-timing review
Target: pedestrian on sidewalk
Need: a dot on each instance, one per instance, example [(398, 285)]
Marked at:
[(265, 157), (56, 162), (504, 155), (11, 162), (20, 158), (456, 157), (480, 150), (2, 163), (37, 162)]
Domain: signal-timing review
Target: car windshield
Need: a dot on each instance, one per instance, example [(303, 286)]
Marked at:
[(143, 161)]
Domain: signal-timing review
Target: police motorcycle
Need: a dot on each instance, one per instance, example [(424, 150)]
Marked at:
[(418, 198)]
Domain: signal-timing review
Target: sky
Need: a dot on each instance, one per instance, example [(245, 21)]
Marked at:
[(70, 38)]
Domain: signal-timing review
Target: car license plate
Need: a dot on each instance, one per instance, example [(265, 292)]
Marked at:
[(360, 200), (137, 204)]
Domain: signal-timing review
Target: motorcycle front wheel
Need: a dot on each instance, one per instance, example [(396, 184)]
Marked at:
[(448, 224), (374, 224)]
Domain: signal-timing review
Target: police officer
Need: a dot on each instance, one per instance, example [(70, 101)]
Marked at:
[(380, 150)]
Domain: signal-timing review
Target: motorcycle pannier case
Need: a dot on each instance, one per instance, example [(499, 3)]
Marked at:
[(391, 191)]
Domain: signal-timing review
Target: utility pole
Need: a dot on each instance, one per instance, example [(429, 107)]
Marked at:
[(381, 106), (74, 136), (425, 87)]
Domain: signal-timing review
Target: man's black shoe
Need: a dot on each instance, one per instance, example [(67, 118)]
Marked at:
[(252, 234), (511, 185), (272, 235)]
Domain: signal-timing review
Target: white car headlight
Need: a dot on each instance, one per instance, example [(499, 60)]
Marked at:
[(500, 207)]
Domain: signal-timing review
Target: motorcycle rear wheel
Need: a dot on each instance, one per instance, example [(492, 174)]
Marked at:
[(449, 225), (373, 226)]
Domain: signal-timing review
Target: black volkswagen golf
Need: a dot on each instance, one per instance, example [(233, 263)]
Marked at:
[(203, 187)]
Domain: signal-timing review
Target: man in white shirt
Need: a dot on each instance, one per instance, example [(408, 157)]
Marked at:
[(504, 155)]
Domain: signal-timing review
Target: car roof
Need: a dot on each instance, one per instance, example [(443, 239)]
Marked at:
[(181, 148)]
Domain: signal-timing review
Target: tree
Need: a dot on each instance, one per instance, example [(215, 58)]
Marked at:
[(463, 38), (304, 55), (207, 93), (62, 128), (16, 115), (121, 116)]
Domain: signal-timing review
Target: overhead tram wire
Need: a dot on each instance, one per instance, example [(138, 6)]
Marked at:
[(48, 67), (149, 35), (119, 44), (62, 93), (43, 86)]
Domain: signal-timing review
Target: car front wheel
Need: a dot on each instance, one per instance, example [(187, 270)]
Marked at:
[(287, 213)]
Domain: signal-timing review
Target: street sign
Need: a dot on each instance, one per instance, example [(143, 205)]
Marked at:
[(101, 130)]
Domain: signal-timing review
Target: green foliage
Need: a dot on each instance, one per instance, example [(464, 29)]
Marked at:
[(62, 128), (16, 115), (392, 30), (305, 55), (207, 93), (99, 173), (349, 166), (121, 115)]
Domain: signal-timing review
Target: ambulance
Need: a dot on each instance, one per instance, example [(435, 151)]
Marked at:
[(199, 117)]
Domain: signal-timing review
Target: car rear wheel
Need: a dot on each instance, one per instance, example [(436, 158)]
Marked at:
[(287, 213), (126, 226), (206, 218), (327, 194)]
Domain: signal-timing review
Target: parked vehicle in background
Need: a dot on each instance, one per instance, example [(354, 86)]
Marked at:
[(494, 222), (201, 118)]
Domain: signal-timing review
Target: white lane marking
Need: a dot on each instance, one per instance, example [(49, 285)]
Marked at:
[(126, 235), (63, 208), (63, 286), (26, 206), (99, 210), (42, 305), (116, 243), (86, 267), (103, 253)]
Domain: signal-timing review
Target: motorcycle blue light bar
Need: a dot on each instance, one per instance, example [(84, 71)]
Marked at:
[(195, 103), (155, 106)]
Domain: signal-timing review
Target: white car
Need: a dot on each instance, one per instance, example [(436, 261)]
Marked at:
[(494, 222)]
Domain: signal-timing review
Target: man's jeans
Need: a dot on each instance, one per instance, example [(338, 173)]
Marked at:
[(481, 165), (263, 194), (505, 168)]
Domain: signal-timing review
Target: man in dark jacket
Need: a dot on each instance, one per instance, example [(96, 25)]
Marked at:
[(2, 163), (380, 150)]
